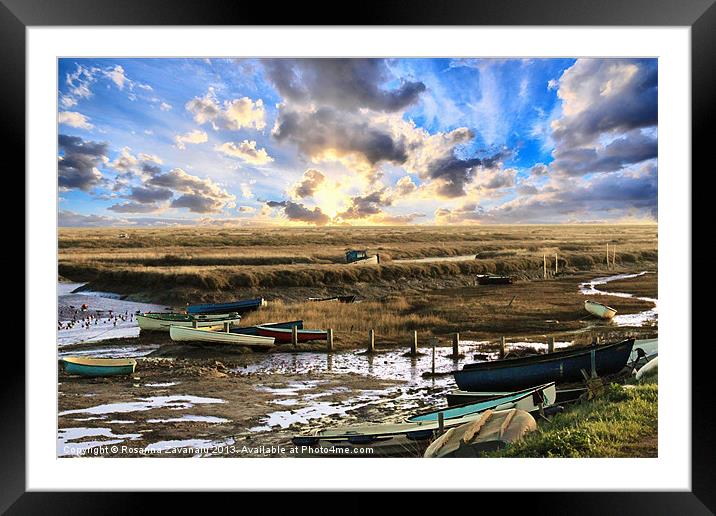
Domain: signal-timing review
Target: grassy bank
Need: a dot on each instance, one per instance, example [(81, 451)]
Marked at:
[(621, 423)]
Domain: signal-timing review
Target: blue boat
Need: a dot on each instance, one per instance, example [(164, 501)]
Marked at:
[(240, 307), (560, 367), (254, 330), (87, 366)]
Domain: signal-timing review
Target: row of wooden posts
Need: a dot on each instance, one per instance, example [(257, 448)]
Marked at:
[(556, 261)]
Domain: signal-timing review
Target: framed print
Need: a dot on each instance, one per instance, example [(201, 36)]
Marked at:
[(277, 256)]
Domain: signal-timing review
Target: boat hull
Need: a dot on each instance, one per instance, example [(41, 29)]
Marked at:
[(181, 334), (286, 335), (560, 367), (98, 366), (494, 280), (254, 330), (458, 397), (599, 310), (371, 260), (240, 307), (152, 323)]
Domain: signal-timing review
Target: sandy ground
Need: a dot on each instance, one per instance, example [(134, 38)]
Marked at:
[(188, 400)]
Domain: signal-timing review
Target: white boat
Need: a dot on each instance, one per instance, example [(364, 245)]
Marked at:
[(650, 368), (162, 321), (599, 310), (372, 260), (183, 334)]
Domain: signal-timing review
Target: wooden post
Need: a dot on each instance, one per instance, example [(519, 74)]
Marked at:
[(371, 341), (194, 323), (441, 423), (294, 335), (556, 262), (456, 345), (607, 255), (544, 259), (434, 343), (414, 345), (550, 344), (614, 257), (502, 347), (227, 325), (329, 340)]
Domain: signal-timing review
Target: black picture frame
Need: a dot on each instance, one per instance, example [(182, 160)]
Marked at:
[(699, 15)]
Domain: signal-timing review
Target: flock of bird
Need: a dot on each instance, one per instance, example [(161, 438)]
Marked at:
[(82, 319)]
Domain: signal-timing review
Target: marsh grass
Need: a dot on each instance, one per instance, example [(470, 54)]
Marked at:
[(621, 423)]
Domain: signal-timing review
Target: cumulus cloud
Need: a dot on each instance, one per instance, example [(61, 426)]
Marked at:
[(165, 106), (198, 195), (246, 151), (116, 75), (135, 207), (311, 180), (74, 119), (346, 84), (68, 218), (405, 186), (363, 206), (297, 212), (77, 166), (233, 114), (193, 137)]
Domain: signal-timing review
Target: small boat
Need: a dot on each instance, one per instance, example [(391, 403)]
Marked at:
[(341, 299), (87, 366), (490, 279), (254, 330), (182, 334), (286, 334), (599, 310), (493, 431), (371, 260), (423, 426), (240, 307), (651, 367), (151, 321), (458, 397), (560, 366)]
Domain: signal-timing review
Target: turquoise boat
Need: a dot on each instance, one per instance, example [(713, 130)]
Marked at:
[(99, 366)]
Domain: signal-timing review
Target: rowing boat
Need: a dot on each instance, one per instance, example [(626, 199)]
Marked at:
[(599, 310), (423, 426), (493, 431), (87, 366), (182, 334), (241, 307), (490, 279), (458, 397), (286, 334), (254, 330), (151, 321), (651, 367), (560, 366)]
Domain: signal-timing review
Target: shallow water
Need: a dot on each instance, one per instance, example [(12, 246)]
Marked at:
[(101, 302), (638, 319), (176, 402)]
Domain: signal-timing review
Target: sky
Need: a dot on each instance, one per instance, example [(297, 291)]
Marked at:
[(334, 142)]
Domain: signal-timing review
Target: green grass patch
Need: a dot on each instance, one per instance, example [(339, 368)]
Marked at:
[(621, 423)]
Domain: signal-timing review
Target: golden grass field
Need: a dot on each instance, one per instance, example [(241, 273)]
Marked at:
[(288, 265)]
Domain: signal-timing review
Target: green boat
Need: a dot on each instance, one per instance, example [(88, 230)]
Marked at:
[(99, 366)]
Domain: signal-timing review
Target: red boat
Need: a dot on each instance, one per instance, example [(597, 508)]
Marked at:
[(286, 334)]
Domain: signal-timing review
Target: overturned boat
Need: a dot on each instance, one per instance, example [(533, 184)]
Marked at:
[(491, 279), (240, 307), (599, 310)]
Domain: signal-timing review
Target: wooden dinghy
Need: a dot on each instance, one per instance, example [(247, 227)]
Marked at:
[(182, 334), (88, 366), (492, 431), (490, 279), (599, 310), (560, 366), (151, 321), (254, 330), (284, 335), (423, 426), (241, 307), (458, 397)]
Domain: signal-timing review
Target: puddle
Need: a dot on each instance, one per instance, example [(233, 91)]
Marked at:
[(165, 384), (121, 422), (191, 418), (178, 402), (119, 352), (67, 437), (638, 319)]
